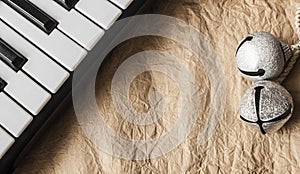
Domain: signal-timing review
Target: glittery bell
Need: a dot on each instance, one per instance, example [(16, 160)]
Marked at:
[(261, 56), (266, 106)]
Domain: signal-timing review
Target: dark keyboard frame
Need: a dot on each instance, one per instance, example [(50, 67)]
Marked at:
[(48, 115)]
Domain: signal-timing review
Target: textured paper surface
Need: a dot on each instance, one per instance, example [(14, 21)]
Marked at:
[(233, 148)]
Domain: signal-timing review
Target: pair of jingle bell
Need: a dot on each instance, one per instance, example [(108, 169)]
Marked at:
[(266, 105)]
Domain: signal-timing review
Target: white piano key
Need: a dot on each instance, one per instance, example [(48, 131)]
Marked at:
[(75, 25), (27, 93), (6, 141), (39, 66), (57, 45), (23, 89), (13, 118), (122, 3), (101, 12)]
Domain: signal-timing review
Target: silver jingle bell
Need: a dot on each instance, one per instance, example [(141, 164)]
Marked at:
[(266, 106), (261, 56)]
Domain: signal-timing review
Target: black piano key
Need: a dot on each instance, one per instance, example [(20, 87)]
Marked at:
[(11, 57), (2, 85), (68, 4), (33, 14)]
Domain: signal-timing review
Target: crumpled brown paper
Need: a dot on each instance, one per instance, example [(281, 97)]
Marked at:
[(233, 148)]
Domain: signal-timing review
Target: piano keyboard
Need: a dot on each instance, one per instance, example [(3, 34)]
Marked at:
[(41, 44)]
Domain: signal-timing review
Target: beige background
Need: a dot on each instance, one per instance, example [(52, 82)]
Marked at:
[(234, 148)]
